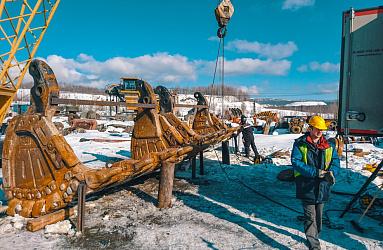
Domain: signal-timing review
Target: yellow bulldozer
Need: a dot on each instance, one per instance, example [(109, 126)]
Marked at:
[(125, 91)]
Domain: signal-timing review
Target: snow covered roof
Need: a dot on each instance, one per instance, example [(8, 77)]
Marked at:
[(308, 103)]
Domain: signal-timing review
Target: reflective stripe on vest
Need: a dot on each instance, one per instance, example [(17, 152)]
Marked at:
[(327, 157)]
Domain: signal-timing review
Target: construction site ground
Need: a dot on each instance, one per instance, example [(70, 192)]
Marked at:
[(222, 209)]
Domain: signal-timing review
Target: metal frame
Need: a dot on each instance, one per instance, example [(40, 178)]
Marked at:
[(18, 44)]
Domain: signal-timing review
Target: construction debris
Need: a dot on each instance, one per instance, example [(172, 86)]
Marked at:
[(88, 124)]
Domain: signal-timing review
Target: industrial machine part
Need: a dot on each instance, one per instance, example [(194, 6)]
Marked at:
[(40, 170), (157, 127), (126, 91), (223, 13), (267, 116), (296, 125), (331, 124), (235, 115), (114, 90), (23, 24), (219, 131), (338, 142)]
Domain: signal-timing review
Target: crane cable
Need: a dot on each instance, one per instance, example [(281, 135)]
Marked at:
[(221, 51), (223, 14), (223, 75), (215, 71)]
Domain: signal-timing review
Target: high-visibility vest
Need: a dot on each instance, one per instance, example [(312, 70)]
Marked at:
[(327, 157)]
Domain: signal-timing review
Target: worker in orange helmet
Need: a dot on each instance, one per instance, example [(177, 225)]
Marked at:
[(315, 163)]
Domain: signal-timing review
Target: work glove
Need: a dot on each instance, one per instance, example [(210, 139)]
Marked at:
[(321, 173), (329, 177)]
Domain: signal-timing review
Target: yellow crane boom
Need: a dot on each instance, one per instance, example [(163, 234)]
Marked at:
[(23, 24)]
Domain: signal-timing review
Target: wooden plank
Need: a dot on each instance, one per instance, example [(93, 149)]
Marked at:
[(42, 221)]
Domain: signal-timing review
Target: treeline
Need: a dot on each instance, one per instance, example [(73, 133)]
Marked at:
[(206, 90), (72, 88), (214, 90)]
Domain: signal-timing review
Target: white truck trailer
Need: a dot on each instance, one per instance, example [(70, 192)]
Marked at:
[(361, 80)]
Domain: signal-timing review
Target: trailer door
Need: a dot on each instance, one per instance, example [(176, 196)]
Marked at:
[(361, 81)]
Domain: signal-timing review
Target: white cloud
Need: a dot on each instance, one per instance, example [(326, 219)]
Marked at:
[(249, 66), (325, 67), (297, 4), (328, 88), (252, 90), (213, 39), (246, 66), (159, 67), (274, 51), (303, 68)]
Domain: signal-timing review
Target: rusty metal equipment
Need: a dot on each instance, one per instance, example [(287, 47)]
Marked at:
[(234, 115), (89, 124), (331, 124), (157, 128), (42, 173), (205, 122), (268, 117), (338, 142), (40, 170), (296, 125)]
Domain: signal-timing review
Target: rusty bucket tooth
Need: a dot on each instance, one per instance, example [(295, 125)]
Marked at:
[(152, 132), (208, 123), (36, 161), (207, 128)]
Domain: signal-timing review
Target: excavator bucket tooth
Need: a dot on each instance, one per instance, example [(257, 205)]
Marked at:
[(207, 128), (206, 122), (152, 132)]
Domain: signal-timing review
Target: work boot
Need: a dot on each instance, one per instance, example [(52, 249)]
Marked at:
[(257, 159)]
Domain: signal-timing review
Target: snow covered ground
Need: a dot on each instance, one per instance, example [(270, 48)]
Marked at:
[(223, 209)]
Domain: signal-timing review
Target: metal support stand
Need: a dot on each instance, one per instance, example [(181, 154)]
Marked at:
[(193, 164), (362, 189), (81, 193), (225, 153), (201, 167)]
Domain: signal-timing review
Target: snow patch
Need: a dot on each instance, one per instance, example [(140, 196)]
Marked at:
[(62, 227)]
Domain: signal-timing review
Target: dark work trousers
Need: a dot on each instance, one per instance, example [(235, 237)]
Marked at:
[(235, 139), (313, 224), (247, 144)]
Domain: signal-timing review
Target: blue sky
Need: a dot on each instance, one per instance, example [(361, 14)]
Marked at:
[(274, 48)]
